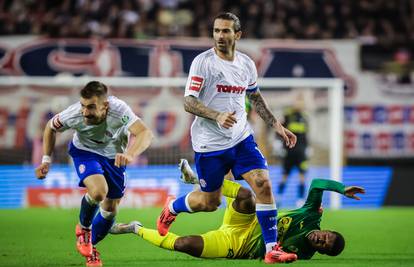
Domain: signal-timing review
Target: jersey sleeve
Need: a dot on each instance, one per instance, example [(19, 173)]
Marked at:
[(314, 199), (252, 86), (128, 116), (196, 77), (66, 119)]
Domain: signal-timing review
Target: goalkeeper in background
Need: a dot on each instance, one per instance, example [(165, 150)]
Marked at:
[(296, 121), (240, 237)]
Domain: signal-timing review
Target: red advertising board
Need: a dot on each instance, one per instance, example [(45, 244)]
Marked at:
[(70, 197)]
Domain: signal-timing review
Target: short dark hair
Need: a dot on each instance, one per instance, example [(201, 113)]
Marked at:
[(94, 88), (232, 17), (338, 245)]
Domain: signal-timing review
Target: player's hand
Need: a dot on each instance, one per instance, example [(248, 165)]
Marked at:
[(122, 159), (42, 170), (350, 192), (288, 137), (226, 119)]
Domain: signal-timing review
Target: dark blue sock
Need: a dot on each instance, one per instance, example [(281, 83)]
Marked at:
[(301, 190), (100, 228), (179, 205), (266, 215), (281, 188), (87, 212)]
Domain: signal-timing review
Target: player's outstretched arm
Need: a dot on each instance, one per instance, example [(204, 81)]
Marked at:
[(196, 107), (49, 139), (264, 112), (143, 138), (318, 186)]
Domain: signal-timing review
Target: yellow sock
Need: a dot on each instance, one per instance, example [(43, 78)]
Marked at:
[(230, 189), (155, 238)]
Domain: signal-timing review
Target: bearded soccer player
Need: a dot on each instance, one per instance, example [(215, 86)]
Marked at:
[(240, 237), (218, 81), (102, 125)]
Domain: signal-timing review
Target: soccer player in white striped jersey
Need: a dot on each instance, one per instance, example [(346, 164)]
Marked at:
[(102, 125), (222, 139)]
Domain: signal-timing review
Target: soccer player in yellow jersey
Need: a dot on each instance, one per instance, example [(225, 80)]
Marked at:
[(240, 237)]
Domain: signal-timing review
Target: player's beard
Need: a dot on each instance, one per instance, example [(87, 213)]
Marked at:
[(93, 120), (226, 47)]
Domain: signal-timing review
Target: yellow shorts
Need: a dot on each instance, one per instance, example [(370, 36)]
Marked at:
[(233, 238)]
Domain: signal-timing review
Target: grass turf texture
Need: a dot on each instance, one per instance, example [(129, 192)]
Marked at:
[(45, 237)]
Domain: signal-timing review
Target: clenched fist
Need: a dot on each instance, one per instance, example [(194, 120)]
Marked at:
[(42, 170), (122, 159)]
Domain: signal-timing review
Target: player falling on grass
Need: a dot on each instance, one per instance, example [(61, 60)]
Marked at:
[(222, 139), (102, 125), (240, 236)]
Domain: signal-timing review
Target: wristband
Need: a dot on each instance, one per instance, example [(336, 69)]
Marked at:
[(46, 159)]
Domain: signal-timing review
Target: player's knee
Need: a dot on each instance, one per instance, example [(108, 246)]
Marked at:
[(97, 195), (264, 186)]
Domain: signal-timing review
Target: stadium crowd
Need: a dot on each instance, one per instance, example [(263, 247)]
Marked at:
[(379, 21)]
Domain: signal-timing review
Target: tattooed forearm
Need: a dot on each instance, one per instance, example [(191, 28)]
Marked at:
[(194, 106), (261, 108)]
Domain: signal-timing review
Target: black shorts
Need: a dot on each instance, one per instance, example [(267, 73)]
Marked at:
[(295, 158)]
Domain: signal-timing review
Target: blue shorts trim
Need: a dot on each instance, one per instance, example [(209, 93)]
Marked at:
[(240, 159), (88, 163)]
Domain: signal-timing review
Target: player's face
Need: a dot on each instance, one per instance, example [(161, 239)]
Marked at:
[(224, 35), (94, 110), (322, 241)]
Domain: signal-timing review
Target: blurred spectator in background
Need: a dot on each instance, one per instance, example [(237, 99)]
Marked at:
[(296, 121), (382, 21), (401, 68)]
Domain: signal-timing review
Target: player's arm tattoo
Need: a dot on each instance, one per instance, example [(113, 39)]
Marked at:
[(196, 107), (261, 108)]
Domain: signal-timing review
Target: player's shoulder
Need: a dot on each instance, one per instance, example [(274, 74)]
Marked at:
[(245, 59), (73, 111), (203, 56), (117, 106)]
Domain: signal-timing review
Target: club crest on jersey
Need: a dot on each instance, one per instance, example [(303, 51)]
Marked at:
[(82, 168), (125, 119), (230, 89), (203, 183), (196, 83)]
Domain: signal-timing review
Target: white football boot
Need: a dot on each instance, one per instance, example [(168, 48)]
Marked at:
[(125, 228), (187, 175)]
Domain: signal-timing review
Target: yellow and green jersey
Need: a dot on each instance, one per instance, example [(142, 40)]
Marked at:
[(293, 226)]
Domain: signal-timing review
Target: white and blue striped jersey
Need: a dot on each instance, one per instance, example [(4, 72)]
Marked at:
[(107, 138), (220, 85)]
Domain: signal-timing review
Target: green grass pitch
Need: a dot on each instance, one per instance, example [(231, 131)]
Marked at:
[(45, 237)]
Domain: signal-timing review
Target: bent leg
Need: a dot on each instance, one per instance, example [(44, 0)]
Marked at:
[(104, 220), (96, 192), (152, 236), (265, 206)]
